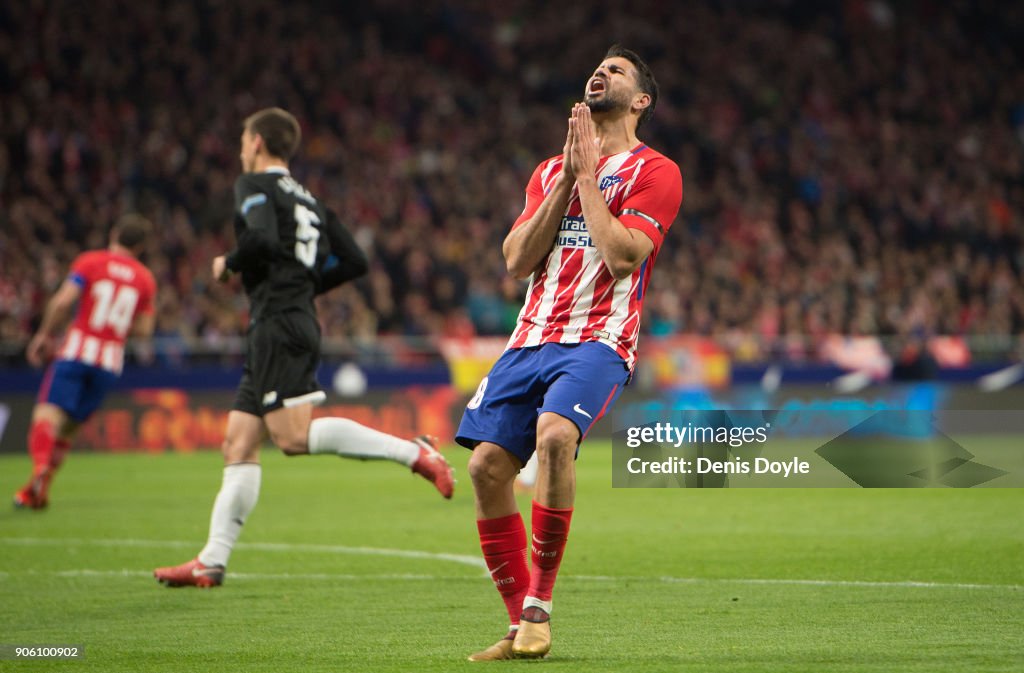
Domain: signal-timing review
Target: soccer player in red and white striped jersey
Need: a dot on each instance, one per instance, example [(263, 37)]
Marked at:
[(575, 296), (115, 295), (593, 224)]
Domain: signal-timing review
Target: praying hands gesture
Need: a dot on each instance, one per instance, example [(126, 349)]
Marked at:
[(582, 145)]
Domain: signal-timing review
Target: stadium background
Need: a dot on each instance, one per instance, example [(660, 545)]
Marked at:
[(853, 183), (854, 188)]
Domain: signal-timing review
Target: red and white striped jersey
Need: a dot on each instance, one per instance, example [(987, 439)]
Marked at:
[(114, 289), (573, 297)]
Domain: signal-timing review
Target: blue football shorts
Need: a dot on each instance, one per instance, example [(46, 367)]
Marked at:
[(77, 388), (579, 382)]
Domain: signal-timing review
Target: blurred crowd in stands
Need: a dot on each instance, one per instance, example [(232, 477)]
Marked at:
[(851, 167)]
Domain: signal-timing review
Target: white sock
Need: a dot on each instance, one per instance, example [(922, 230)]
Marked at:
[(343, 437), (238, 494), (534, 602), (528, 475)]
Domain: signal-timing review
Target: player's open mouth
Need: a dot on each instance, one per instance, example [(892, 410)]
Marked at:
[(596, 86)]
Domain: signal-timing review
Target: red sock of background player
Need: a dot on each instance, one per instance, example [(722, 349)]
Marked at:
[(550, 531), (60, 452), (503, 541), (41, 442)]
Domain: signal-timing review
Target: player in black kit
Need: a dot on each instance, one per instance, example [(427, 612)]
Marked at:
[(290, 249)]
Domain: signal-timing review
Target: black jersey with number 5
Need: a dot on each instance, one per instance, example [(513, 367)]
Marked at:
[(290, 247)]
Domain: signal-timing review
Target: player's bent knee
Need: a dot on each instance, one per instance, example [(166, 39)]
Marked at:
[(557, 442), (293, 445), (50, 413), (289, 429), (290, 440), (480, 469), (489, 466)]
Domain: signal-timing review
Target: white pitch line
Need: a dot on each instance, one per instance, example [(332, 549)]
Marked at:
[(576, 578), (348, 577), (333, 577), (472, 561), (457, 558), (789, 582), (844, 583)]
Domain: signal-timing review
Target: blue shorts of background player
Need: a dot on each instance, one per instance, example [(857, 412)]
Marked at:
[(79, 389), (577, 381)]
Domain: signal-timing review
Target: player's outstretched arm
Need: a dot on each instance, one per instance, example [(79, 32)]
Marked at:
[(55, 316)]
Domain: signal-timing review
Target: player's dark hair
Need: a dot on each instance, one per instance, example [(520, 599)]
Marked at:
[(644, 78), (132, 230), (278, 128)]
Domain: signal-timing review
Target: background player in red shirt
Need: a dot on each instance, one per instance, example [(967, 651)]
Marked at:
[(588, 237), (115, 295)]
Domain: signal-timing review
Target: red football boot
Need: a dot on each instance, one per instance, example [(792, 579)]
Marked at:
[(432, 466), (191, 574), (35, 494)]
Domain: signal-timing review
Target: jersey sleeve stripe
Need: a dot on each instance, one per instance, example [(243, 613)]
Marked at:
[(640, 285), (77, 278), (645, 216), (251, 202)]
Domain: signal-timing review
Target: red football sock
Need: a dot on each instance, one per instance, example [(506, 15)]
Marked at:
[(550, 531), (503, 541), (41, 442), (60, 452)]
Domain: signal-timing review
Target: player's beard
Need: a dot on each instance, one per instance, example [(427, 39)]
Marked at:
[(610, 102)]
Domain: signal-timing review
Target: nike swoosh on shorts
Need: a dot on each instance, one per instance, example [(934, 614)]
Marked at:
[(579, 410)]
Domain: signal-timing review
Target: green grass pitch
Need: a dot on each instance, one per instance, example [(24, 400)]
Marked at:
[(349, 566)]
